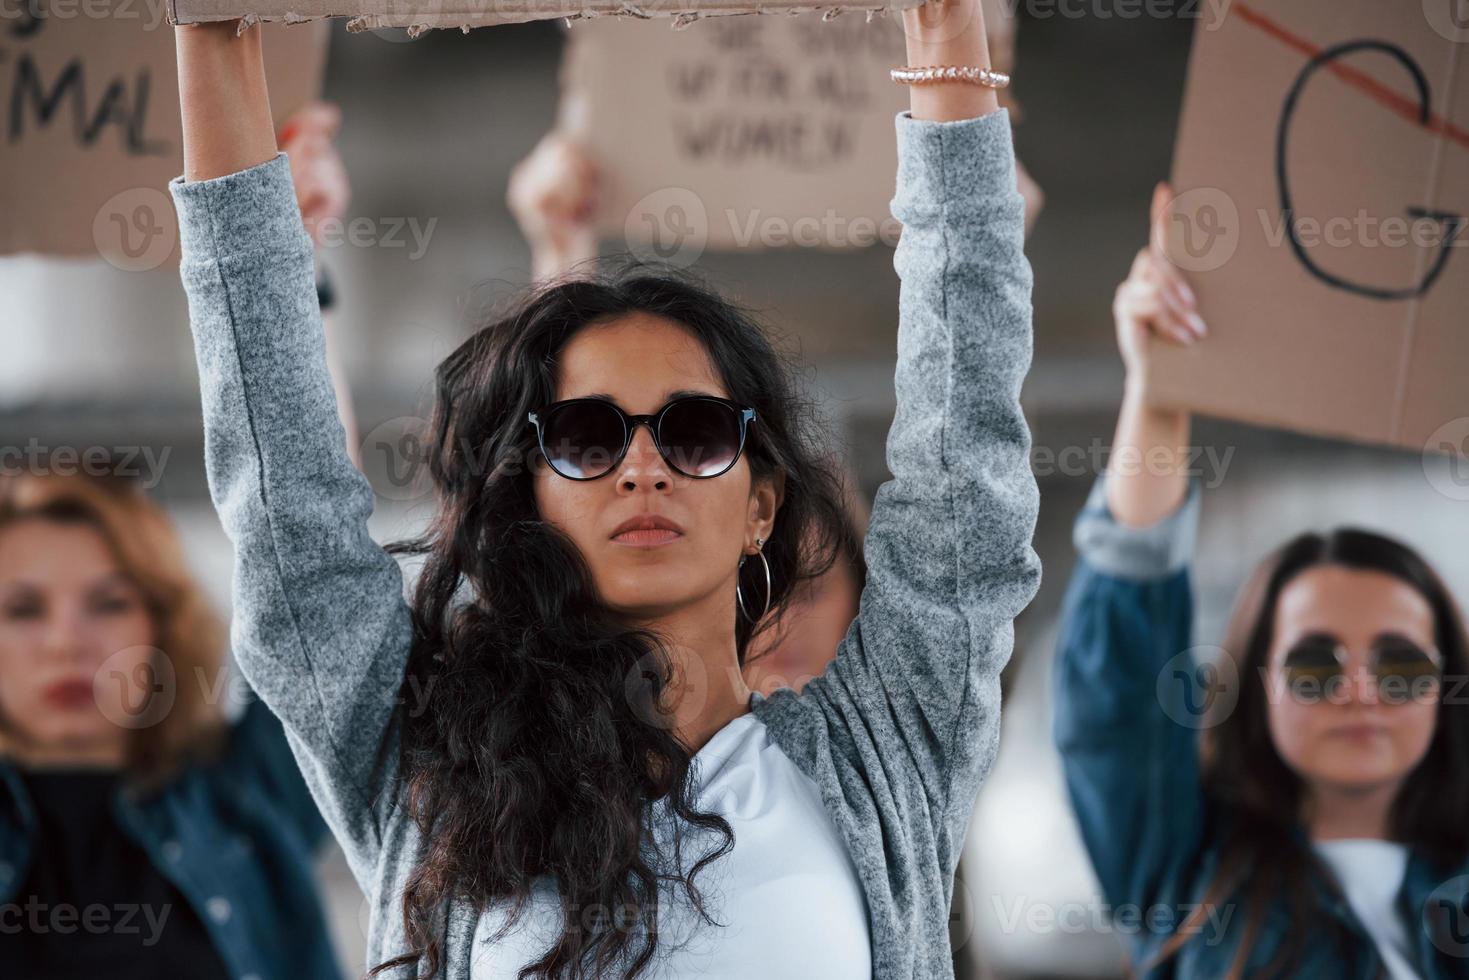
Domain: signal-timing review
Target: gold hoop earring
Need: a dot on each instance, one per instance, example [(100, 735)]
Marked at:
[(739, 597)]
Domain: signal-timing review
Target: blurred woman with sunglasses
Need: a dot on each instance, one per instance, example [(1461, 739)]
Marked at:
[(142, 835), (627, 482), (1297, 807)]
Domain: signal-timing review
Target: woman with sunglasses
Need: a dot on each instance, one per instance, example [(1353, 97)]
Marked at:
[(552, 193), (1296, 806), (626, 483)]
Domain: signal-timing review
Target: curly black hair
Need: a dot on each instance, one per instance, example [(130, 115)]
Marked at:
[(541, 753)]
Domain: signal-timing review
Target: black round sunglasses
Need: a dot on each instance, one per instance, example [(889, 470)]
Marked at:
[(699, 436)]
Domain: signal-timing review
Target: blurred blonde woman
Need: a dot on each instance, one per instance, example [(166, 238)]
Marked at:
[(141, 835)]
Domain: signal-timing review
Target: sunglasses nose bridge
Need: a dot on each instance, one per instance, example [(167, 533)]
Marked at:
[(650, 422), (1364, 682)]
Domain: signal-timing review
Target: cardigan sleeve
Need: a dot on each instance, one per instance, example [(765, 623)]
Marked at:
[(320, 628), (916, 681)]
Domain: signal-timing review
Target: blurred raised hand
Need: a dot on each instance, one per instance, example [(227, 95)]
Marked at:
[(1155, 300), (553, 195), (1147, 473), (323, 192)]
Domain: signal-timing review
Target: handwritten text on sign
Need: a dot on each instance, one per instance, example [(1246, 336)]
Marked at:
[(89, 124), (761, 125)]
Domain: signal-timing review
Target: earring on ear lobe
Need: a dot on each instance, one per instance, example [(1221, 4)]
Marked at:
[(739, 597)]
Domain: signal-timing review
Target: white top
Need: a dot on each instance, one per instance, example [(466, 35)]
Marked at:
[(787, 895), (1371, 875)]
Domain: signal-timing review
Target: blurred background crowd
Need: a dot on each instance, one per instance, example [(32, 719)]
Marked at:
[(432, 129)]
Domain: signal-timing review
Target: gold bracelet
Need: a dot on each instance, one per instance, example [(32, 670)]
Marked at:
[(943, 73)]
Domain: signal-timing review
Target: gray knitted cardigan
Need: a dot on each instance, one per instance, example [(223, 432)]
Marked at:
[(899, 731)]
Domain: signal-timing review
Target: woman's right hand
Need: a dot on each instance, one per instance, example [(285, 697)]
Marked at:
[(553, 195), (222, 99), (1154, 301)]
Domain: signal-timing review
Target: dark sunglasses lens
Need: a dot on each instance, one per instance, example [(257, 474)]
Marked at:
[(701, 438), (1404, 671), (1312, 670), (582, 440)]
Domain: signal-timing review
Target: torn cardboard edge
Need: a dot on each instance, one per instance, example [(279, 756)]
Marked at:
[(421, 15)]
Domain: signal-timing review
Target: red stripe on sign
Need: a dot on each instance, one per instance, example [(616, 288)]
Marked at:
[(1405, 107)]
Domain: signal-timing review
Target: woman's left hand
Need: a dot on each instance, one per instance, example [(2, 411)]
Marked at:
[(948, 32)]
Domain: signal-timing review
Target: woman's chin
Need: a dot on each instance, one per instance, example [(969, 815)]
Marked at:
[(1360, 774), (648, 594)]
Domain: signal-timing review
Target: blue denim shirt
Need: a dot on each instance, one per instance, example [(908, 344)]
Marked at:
[(1129, 707), (238, 837)]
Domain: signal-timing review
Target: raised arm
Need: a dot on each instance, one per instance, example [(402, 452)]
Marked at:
[(1129, 698), (1154, 304), (553, 193), (320, 627), (1129, 703), (914, 689)]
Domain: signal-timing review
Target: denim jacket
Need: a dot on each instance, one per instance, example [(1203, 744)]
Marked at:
[(237, 836), (1129, 706)]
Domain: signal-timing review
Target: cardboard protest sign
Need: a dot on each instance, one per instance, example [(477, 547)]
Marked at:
[(464, 14), (92, 131), (751, 132), (1322, 182)]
